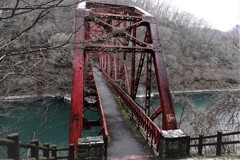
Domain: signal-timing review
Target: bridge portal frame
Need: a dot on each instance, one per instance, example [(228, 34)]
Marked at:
[(124, 38)]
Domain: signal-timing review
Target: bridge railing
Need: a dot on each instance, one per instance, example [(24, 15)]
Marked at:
[(216, 140), (47, 151), (103, 121), (151, 131)]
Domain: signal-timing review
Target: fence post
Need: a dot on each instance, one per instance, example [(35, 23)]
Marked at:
[(71, 151), (35, 150), (219, 144), (13, 150), (105, 146), (200, 144), (188, 146), (46, 151), (54, 151)]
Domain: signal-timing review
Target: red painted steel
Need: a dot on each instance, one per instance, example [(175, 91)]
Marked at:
[(76, 115), (76, 99), (148, 84), (153, 133), (127, 42), (84, 94), (102, 119), (128, 32)]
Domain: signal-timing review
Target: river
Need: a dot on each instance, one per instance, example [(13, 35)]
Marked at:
[(48, 119)]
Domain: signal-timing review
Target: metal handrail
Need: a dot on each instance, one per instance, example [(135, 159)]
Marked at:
[(152, 131)]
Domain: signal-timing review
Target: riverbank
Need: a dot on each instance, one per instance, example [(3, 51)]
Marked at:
[(68, 96), (34, 97), (194, 91), (206, 91)]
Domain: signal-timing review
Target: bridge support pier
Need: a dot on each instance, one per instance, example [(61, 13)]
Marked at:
[(173, 145), (91, 148)]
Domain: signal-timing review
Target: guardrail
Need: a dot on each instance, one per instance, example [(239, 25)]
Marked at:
[(219, 142), (48, 151), (151, 131), (102, 119)]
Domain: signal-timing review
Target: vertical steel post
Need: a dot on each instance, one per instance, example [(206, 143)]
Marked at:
[(148, 84), (76, 116), (134, 33), (168, 116), (106, 63), (115, 67), (111, 74), (109, 65)]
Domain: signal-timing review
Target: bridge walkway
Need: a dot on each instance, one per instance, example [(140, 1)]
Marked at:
[(122, 144)]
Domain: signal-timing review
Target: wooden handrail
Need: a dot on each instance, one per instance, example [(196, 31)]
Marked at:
[(218, 142), (6, 142), (229, 134), (13, 147)]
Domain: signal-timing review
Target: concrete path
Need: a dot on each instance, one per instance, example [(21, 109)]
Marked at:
[(122, 145)]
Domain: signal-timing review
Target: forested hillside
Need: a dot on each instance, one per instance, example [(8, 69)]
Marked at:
[(200, 58), (36, 47), (196, 56)]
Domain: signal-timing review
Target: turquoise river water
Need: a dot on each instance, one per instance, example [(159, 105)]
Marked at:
[(48, 120)]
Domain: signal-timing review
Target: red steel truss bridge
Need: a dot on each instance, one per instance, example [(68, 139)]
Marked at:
[(123, 43)]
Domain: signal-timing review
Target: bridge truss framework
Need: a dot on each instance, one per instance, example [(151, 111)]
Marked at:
[(124, 41)]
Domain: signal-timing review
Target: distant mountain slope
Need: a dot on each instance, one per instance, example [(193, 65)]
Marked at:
[(36, 47), (196, 56), (199, 58)]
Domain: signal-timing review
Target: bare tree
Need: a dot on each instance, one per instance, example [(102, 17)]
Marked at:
[(35, 44)]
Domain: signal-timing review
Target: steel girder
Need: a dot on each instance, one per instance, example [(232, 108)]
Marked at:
[(127, 42), (85, 94)]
